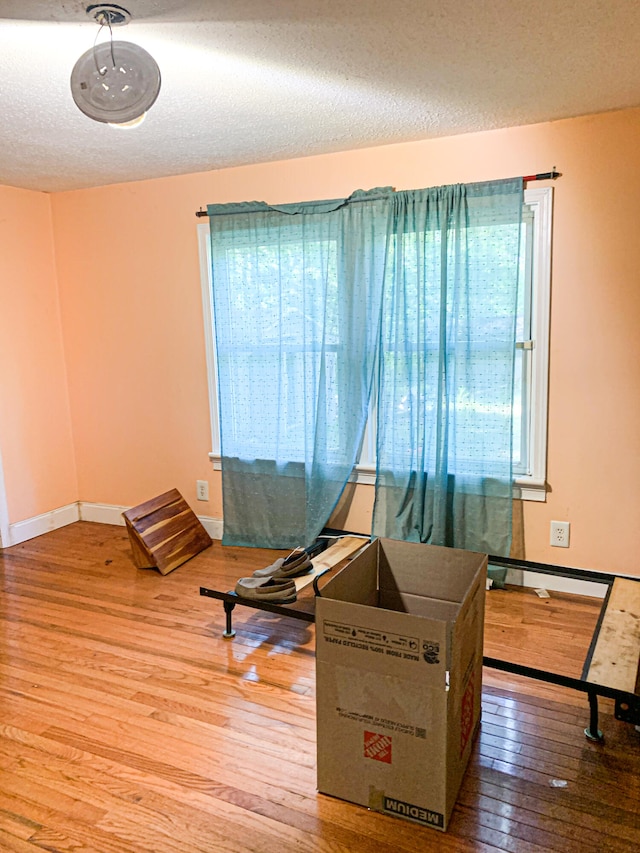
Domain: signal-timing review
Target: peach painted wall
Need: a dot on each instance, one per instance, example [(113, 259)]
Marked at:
[(36, 440), (131, 313)]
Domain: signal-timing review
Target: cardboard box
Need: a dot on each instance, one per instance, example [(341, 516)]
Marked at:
[(399, 677)]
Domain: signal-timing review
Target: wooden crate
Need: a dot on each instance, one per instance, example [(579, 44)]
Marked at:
[(164, 532)]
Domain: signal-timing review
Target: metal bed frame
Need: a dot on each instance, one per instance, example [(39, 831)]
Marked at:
[(627, 705)]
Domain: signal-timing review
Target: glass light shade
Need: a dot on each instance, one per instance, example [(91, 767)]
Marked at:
[(115, 82)]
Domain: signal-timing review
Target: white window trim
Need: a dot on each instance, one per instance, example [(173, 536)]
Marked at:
[(204, 249), (529, 487), (533, 485)]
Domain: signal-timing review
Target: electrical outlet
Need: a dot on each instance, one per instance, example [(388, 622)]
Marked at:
[(202, 490), (560, 534)]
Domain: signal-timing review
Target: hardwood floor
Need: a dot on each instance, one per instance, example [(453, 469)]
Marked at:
[(128, 724)]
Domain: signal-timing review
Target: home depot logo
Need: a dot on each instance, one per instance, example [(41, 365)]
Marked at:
[(377, 746)]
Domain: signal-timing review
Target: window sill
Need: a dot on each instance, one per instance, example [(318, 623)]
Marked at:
[(529, 489), (524, 488)]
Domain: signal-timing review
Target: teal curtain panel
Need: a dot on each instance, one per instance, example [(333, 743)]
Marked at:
[(407, 299), (446, 375), (297, 295)]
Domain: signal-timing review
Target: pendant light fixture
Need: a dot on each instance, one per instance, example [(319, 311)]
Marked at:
[(115, 82)]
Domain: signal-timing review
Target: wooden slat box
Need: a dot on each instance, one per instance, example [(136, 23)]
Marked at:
[(164, 532)]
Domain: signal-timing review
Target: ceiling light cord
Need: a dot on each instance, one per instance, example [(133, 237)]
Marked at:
[(102, 19)]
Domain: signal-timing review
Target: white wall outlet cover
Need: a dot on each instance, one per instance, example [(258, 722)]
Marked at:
[(559, 537)]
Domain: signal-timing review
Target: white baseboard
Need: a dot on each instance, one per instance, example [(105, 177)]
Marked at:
[(555, 583), (102, 513), (109, 514), (213, 526), (45, 523), (21, 531)]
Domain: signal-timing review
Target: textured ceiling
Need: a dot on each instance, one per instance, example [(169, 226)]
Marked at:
[(246, 81)]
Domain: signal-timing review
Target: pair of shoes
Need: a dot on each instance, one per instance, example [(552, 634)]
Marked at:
[(267, 589), (292, 566)]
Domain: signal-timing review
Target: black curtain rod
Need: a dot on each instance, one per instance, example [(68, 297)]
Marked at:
[(541, 176)]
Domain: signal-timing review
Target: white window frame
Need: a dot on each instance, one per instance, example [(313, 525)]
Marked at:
[(532, 485), (528, 486), (204, 251)]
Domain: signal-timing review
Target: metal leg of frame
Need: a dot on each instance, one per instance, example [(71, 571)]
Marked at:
[(228, 609), (593, 733)]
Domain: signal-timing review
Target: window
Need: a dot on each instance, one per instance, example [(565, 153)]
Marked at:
[(530, 411)]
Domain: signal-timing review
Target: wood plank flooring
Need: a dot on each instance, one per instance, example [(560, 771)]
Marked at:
[(128, 725)]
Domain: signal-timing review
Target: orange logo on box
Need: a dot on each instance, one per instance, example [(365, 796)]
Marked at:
[(466, 721), (377, 747)]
